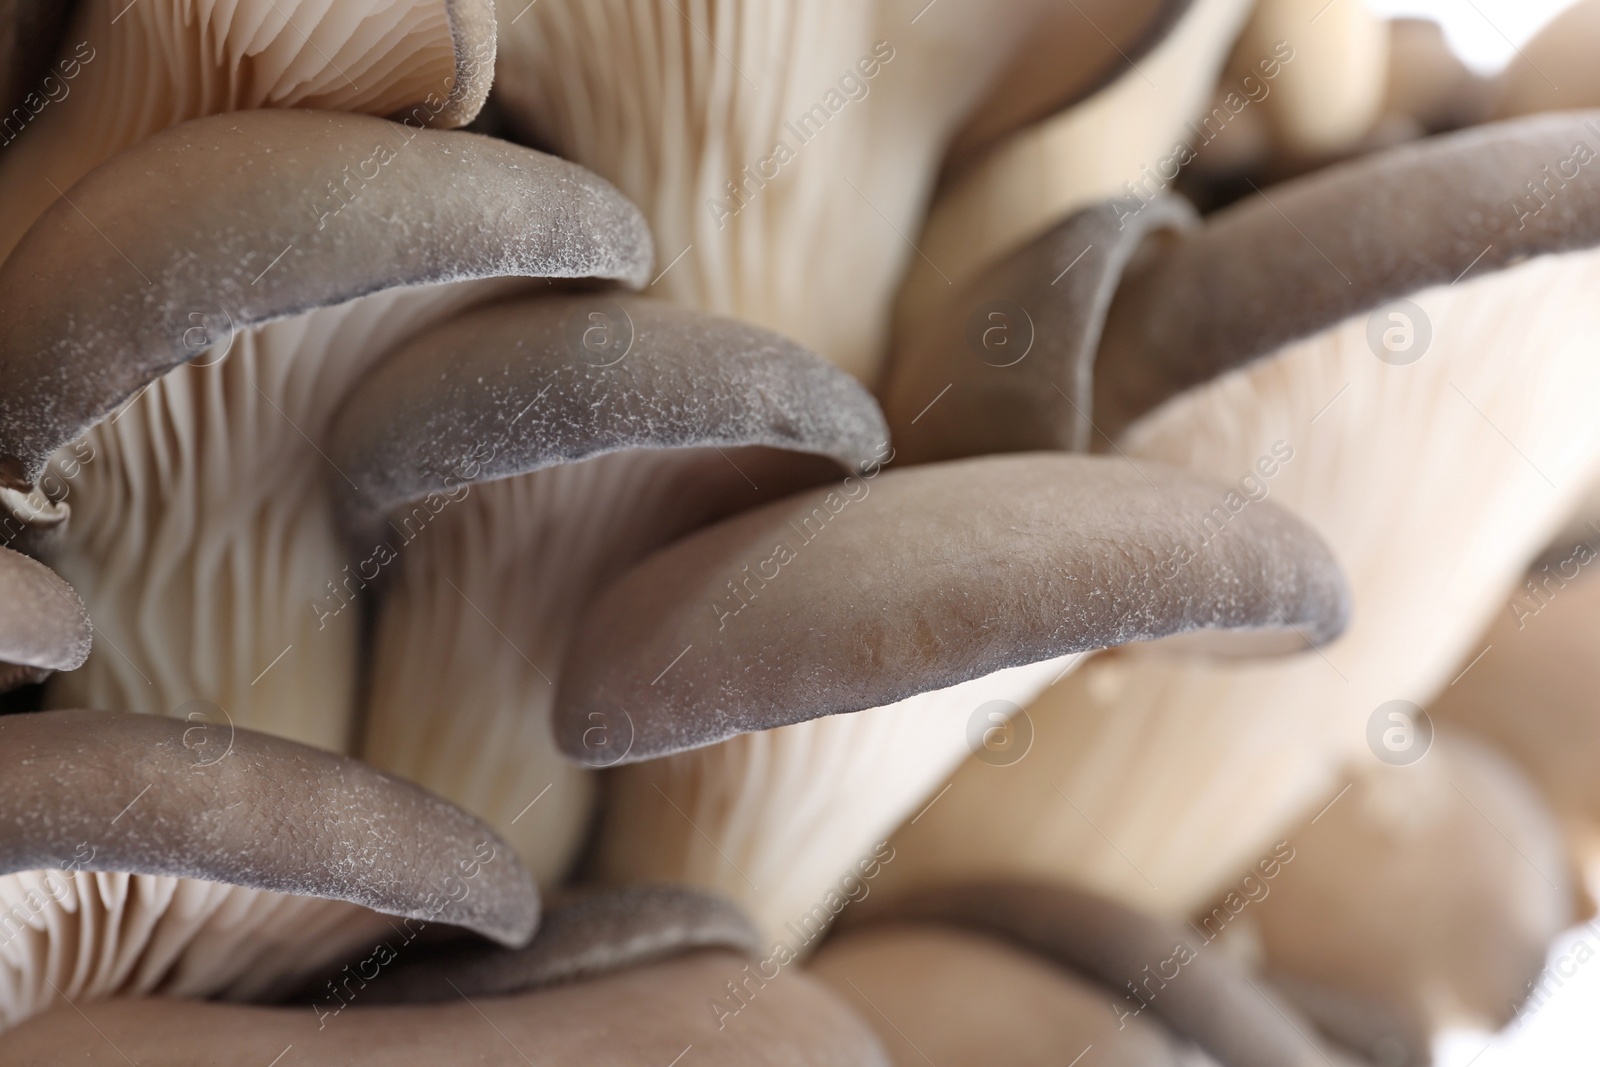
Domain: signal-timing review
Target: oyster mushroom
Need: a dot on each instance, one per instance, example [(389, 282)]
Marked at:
[(1428, 86), (928, 592), (132, 70), (1250, 360), (204, 538), (1172, 998), (639, 1007), (216, 833), (44, 628), (1424, 898), (587, 460)]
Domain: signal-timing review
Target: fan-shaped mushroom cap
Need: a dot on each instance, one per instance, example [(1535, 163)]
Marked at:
[(962, 999), (1531, 691), (550, 468), (645, 1015), (583, 934), (242, 859), (974, 567), (1146, 772), (44, 626), (100, 297), (1423, 898), (1553, 71), (934, 587), (353, 833), (1009, 365), (126, 71)]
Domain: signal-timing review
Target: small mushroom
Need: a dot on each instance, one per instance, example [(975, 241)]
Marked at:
[(538, 468), (203, 538), (44, 626), (204, 802), (1422, 899), (1136, 963), (125, 72), (1429, 86), (927, 593)]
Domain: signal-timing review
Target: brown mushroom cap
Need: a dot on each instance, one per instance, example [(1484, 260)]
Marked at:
[(1009, 365), (583, 934), (43, 624), (1334, 244), (933, 576), (100, 299), (1210, 1001), (507, 390), (248, 809), (646, 1015), (964, 999)]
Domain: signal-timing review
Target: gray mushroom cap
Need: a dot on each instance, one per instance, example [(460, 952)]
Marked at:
[(111, 791), (515, 387), (1337, 243), (1009, 365), (918, 580), (43, 625), (584, 934), (239, 219)]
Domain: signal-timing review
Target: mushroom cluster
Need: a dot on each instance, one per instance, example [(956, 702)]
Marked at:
[(854, 532)]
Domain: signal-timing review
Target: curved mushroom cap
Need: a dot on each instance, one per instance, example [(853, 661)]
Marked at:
[(99, 300), (646, 1015), (511, 388), (983, 565), (1009, 365), (130, 70), (1342, 241), (43, 624), (1532, 691), (1554, 71), (583, 934), (248, 809), (1423, 898), (962, 999), (1149, 965)]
